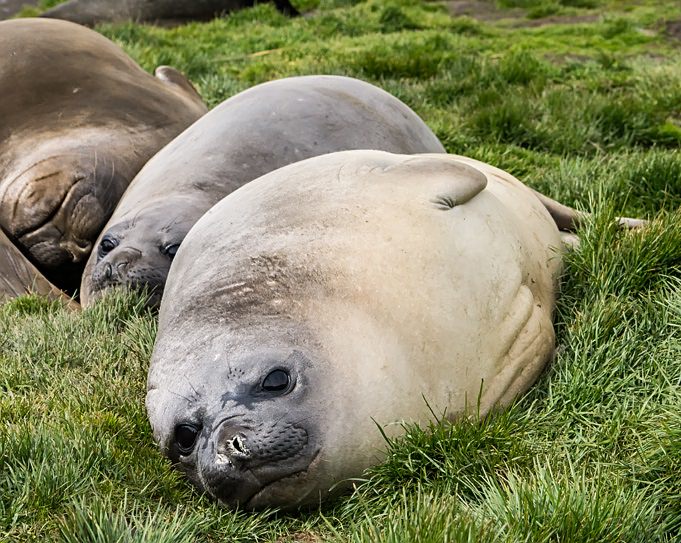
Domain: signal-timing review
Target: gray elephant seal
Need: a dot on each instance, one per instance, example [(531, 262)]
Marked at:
[(257, 131), (91, 12), (79, 120), (339, 291)]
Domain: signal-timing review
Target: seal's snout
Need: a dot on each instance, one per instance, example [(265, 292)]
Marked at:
[(232, 446), (78, 249), (241, 462), (113, 267)]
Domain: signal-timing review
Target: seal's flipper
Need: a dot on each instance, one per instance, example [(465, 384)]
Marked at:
[(454, 181), (568, 219), (570, 241), (631, 224), (19, 277), (528, 342), (174, 77)]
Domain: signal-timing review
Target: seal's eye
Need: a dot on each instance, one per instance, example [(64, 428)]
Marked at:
[(107, 244), (276, 381), (185, 437), (170, 250)]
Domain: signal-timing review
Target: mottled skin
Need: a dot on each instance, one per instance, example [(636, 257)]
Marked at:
[(91, 12), (78, 119), (257, 131), (337, 293)]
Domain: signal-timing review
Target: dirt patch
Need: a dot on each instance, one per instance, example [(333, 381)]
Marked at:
[(487, 11), (567, 58), (673, 29), (300, 537), (483, 11), (12, 7), (557, 20)]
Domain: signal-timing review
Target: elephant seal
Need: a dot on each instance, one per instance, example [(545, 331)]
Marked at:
[(19, 277), (257, 131), (337, 293), (91, 12), (79, 120), (9, 8)]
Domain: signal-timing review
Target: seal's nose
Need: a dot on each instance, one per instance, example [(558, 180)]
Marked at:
[(232, 446), (116, 264), (78, 250)]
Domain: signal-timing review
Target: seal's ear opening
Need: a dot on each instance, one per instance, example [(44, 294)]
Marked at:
[(174, 77), (452, 182)]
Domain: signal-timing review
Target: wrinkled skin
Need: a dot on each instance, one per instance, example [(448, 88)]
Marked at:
[(91, 12), (79, 119), (335, 294), (257, 131)]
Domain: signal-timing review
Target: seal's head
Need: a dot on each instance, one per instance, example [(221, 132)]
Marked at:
[(247, 437), (331, 296), (53, 206), (265, 414), (136, 250)]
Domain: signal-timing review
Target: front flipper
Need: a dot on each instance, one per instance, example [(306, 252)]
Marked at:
[(19, 277), (179, 81), (451, 181), (527, 344)]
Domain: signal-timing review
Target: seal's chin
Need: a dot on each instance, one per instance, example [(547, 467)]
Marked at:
[(288, 492), (106, 278), (272, 485)]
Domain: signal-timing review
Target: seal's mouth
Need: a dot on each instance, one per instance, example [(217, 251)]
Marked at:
[(148, 282), (263, 497)]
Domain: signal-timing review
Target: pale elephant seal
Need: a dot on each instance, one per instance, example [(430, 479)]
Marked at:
[(257, 131), (336, 292), (79, 118), (91, 12)]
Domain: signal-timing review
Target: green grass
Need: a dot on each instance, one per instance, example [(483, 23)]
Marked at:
[(585, 107)]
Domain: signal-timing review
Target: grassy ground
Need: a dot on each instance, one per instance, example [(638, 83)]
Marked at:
[(580, 99)]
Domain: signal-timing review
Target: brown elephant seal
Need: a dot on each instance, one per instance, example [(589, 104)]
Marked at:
[(339, 291), (91, 12), (79, 120), (257, 131), (19, 277)]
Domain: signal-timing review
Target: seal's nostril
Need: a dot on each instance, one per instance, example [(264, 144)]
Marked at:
[(232, 445), (84, 246), (107, 271), (237, 445), (236, 448), (78, 250), (122, 266)]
